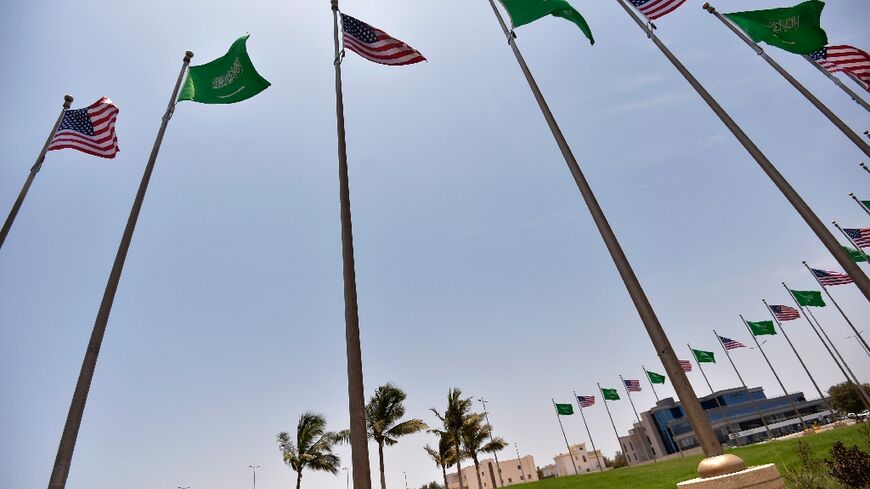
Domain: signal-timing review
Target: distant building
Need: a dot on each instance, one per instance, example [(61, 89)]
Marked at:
[(585, 461), (516, 471), (736, 415)]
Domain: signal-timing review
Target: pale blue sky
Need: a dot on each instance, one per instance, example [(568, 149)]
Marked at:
[(478, 265)]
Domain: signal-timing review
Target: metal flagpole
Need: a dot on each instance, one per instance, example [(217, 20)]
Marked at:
[(701, 425), (67, 101), (719, 339), (62, 461), (784, 391), (651, 385), (815, 330), (862, 145), (801, 360), (589, 434), (751, 400), (715, 397), (568, 446), (863, 207), (615, 432), (628, 393), (863, 341), (494, 454), (849, 238), (858, 100), (813, 221), (356, 394)]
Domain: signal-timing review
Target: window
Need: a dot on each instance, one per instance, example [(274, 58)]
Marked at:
[(509, 479), (522, 477), (519, 467), (584, 458), (587, 470)]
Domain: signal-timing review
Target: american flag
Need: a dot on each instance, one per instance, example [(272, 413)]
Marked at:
[(845, 58), (861, 237), (632, 385), (828, 277), (90, 130), (784, 313), (586, 401), (687, 365), (376, 45), (653, 9), (730, 344)]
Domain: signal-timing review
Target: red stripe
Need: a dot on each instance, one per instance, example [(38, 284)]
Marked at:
[(62, 135), (84, 142), (365, 50)]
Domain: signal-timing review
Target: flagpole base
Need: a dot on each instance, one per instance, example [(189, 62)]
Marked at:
[(760, 477)]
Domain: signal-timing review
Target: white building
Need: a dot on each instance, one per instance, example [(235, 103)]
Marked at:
[(515, 471), (584, 460)]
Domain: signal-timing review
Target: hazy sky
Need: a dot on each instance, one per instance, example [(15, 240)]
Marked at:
[(478, 264)]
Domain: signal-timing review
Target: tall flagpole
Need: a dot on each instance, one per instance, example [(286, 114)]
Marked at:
[(63, 460), (863, 207), (701, 368), (628, 393), (701, 425), (862, 145), (801, 360), (651, 385), (67, 101), (819, 335), (615, 432), (751, 400), (773, 370), (727, 354), (813, 221), (854, 329), (589, 434), (356, 393), (567, 445), (854, 96), (849, 238)]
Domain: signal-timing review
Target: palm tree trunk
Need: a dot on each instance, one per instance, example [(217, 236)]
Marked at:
[(381, 457), (444, 473), (477, 470), (298, 479)]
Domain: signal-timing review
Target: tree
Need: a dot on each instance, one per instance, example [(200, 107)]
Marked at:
[(453, 420), (617, 461), (846, 398), (313, 447), (433, 485), (445, 455), (383, 413), (476, 438)]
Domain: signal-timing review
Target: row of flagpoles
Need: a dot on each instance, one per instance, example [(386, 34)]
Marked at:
[(233, 78)]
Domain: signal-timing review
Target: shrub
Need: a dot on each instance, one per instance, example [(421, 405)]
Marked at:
[(850, 467)]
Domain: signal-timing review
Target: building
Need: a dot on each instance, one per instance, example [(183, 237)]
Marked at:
[(585, 461), (738, 417), (516, 471)]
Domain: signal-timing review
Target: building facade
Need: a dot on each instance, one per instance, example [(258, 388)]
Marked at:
[(585, 461), (516, 471)]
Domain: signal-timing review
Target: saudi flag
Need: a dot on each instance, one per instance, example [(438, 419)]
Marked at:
[(761, 328), (226, 80), (564, 409), (524, 12), (655, 378), (704, 356), (866, 203), (856, 255), (796, 29), (808, 298), (610, 394)]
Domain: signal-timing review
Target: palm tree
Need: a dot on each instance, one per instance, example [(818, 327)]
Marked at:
[(383, 413), (313, 447), (453, 420), (445, 456), (476, 438)]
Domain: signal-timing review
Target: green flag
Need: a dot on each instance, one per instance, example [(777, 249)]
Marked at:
[(655, 378), (704, 356), (761, 328), (564, 409), (856, 255), (524, 12), (610, 394), (866, 203), (226, 80), (808, 298), (795, 29)]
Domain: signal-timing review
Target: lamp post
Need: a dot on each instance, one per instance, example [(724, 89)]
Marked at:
[(495, 455), (346, 476), (406, 479), (520, 463), (254, 468)]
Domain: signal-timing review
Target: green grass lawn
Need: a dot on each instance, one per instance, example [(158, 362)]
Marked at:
[(665, 475)]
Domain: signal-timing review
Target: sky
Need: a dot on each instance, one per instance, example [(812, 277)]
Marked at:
[(478, 265)]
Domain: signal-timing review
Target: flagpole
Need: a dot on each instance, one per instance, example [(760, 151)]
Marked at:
[(712, 392), (854, 329), (628, 393), (813, 221), (815, 330), (63, 460), (863, 146), (615, 432), (860, 250), (67, 101), (651, 385), (858, 100), (589, 434), (863, 207), (773, 370), (719, 339), (801, 360), (356, 393), (701, 425), (567, 445), (751, 400)]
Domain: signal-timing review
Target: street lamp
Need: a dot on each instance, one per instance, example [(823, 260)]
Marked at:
[(254, 468), (406, 479), (346, 476), (494, 454), (520, 462)]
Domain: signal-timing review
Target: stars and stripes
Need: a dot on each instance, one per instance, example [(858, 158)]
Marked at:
[(730, 344), (632, 385), (784, 313), (586, 401), (687, 365), (376, 45), (90, 130), (829, 277), (845, 58), (861, 237), (653, 9)]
